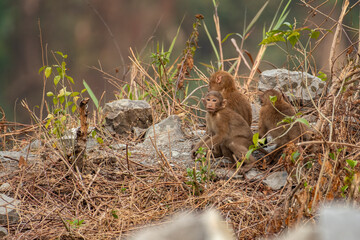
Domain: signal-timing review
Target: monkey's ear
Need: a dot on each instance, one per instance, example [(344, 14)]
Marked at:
[(224, 102), (218, 79)]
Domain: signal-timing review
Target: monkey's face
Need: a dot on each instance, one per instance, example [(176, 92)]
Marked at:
[(213, 101)]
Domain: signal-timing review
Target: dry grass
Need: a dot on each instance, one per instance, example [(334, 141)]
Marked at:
[(115, 196)]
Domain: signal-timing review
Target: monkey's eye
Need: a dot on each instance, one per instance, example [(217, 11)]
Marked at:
[(214, 100), (208, 99)]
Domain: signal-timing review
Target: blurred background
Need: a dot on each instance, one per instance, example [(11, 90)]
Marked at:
[(89, 31)]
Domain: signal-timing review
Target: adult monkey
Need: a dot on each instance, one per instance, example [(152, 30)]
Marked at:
[(227, 130), (224, 83)]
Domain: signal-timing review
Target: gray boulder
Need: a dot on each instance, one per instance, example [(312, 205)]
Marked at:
[(122, 116), (3, 232), (9, 160), (168, 129), (8, 208), (294, 84), (276, 180)]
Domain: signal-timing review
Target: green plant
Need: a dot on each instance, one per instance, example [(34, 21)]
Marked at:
[(201, 176), (114, 214), (257, 143), (291, 34), (64, 101), (161, 59), (348, 180), (75, 223)]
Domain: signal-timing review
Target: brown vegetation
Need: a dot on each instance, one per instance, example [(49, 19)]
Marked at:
[(114, 194)]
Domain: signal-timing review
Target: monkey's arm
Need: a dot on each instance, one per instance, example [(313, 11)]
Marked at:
[(220, 135), (199, 144)]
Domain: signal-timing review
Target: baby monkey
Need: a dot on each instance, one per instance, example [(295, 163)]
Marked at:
[(228, 134), (273, 113)]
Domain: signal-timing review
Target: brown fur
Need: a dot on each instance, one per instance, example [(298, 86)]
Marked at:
[(227, 131), (269, 118), (224, 83)]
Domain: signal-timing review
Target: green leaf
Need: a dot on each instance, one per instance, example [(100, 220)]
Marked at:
[(41, 69), (73, 94), (247, 156), (93, 133), (322, 76), (70, 79), (48, 71), (332, 156), (255, 139), (63, 65), (56, 79), (48, 123), (59, 70), (272, 39), (295, 155), (290, 26), (50, 94), (113, 213), (73, 109), (211, 42), (59, 53), (62, 99), (314, 34), (303, 120), (92, 95), (174, 39), (63, 119), (273, 99), (68, 104), (352, 163), (227, 36), (100, 140), (293, 38)]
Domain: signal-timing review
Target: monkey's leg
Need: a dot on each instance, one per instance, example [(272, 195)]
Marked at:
[(217, 151), (239, 149)]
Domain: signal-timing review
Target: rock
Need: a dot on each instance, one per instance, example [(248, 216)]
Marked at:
[(168, 129), (276, 180), (123, 115), (34, 145), (198, 133), (9, 161), (4, 187), (253, 174), (226, 173), (175, 154), (292, 83), (69, 137), (118, 146), (3, 232), (8, 208)]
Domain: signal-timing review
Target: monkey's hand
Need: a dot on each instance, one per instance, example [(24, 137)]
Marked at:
[(193, 153)]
